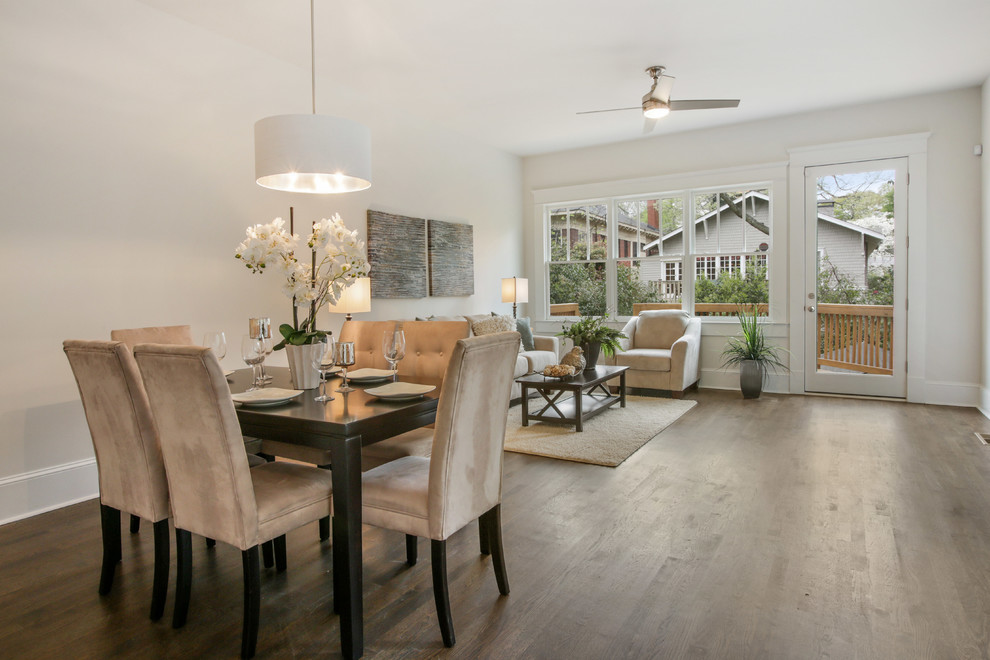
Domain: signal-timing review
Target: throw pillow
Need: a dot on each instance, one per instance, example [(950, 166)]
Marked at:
[(493, 324), (522, 327)]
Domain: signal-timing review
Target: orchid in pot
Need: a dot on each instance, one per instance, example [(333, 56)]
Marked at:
[(336, 258)]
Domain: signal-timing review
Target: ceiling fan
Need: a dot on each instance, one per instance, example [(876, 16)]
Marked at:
[(657, 103)]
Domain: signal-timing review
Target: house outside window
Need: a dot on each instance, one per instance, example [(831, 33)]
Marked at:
[(725, 232)]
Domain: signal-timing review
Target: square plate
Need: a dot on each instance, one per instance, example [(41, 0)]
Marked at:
[(269, 396), (400, 391)]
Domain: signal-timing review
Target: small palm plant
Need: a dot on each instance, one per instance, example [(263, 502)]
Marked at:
[(752, 353)]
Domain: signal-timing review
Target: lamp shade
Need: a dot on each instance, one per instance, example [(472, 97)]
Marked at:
[(515, 290), (355, 299), (312, 154)]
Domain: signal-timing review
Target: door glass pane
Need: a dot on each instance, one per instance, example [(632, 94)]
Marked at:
[(855, 272)]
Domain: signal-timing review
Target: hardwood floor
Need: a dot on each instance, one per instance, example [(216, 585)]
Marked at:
[(788, 527)]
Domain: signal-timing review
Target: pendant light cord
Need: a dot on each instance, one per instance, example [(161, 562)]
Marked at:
[(312, 50)]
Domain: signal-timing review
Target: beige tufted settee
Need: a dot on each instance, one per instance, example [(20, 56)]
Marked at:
[(662, 350)]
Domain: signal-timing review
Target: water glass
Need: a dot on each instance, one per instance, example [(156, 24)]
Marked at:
[(217, 342), (253, 354), (323, 361), (394, 348), (344, 353)]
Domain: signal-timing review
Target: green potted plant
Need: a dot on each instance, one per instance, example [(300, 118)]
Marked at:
[(593, 336), (752, 354)]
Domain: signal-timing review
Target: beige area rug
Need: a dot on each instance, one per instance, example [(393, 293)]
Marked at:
[(608, 439)]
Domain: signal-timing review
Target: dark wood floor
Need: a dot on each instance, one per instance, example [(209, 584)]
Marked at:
[(789, 527)]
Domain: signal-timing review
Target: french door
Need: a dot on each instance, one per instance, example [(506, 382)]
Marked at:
[(855, 299)]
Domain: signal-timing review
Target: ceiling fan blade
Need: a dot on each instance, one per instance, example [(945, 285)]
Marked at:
[(663, 88), (649, 125), (705, 104), (591, 112)]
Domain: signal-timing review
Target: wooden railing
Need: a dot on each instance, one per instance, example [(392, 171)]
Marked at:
[(856, 337), (705, 309), (564, 309)]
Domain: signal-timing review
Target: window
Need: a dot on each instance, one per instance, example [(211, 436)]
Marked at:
[(577, 259), (632, 253)]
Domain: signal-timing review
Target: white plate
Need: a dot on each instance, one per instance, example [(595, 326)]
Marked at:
[(400, 391), (369, 375), (269, 396)]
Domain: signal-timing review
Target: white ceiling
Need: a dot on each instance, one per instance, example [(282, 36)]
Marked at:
[(512, 73)]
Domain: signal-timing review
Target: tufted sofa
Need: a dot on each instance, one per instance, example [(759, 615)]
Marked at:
[(661, 349)]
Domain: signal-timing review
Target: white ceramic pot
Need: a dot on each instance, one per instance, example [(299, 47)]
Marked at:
[(301, 371)]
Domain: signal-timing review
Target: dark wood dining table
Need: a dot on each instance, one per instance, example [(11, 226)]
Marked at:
[(343, 426)]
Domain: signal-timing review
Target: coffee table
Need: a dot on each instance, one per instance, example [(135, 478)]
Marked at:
[(591, 395)]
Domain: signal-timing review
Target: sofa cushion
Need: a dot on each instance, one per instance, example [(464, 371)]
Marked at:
[(539, 360), (647, 359), (660, 328), (522, 366)]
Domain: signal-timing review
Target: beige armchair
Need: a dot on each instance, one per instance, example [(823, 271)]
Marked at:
[(462, 479), (661, 349)]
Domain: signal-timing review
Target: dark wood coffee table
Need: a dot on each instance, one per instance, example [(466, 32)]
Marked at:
[(590, 395)]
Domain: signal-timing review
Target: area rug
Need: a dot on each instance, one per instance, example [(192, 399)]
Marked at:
[(608, 439)]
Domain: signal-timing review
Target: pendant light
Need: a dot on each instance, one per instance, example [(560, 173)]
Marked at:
[(312, 153)]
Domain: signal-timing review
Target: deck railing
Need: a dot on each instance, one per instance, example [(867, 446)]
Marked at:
[(705, 309), (856, 337)]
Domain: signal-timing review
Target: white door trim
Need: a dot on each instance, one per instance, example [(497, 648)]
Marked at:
[(915, 148)]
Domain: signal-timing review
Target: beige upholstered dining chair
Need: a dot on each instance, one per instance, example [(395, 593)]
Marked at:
[(213, 492), (462, 479), (131, 472)]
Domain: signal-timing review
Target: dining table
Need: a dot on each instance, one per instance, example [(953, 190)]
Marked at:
[(342, 426)]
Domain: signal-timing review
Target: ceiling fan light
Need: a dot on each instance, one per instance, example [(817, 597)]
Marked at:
[(655, 109)]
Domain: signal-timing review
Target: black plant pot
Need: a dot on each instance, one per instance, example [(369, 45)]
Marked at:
[(591, 351), (751, 379)]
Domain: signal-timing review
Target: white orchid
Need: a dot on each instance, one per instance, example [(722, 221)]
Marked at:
[(336, 258)]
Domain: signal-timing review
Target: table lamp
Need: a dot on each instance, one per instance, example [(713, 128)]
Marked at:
[(356, 298), (515, 290)]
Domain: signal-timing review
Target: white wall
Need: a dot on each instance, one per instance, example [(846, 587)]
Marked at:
[(952, 332), (126, 182), (985, 329)]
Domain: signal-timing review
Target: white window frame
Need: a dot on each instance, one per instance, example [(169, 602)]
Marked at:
[(772, 176)]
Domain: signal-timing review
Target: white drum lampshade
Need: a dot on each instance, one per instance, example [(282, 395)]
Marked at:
[(515, 290), (355, 299), (312, 154)]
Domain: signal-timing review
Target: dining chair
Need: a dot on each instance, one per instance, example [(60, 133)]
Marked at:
[(213, 492), (461, 481), (128, 459)]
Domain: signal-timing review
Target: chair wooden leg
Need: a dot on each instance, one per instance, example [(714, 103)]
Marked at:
[(135, 524), (491, 520), (160, 588), (110, 522), (252, 600), (183, 577), (438, 550), (483, 538), (411, 549), (268, 553), (280, 562)]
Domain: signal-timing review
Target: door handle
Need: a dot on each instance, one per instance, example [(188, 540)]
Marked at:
[(811, 308)]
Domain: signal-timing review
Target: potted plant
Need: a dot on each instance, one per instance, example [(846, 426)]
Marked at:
[(336, 258), (752, 354), (593, 336)]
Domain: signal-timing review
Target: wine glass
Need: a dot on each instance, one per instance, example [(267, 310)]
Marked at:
[(253, 354), (394, 349), (323, 361), (344, 352), (268, 345), (217, 342)]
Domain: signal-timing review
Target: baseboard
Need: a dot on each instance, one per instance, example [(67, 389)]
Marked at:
[(719, 379), (984, 406), (30, 493), (952, 394)]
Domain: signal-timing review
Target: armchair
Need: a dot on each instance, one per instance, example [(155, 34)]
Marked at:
[(661, 350)]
